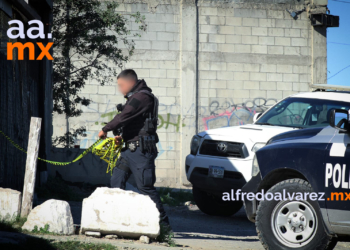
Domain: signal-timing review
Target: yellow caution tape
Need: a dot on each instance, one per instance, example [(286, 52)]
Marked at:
[(106, 149)]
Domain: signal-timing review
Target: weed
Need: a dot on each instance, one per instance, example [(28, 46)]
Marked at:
[(166, 235), (174, 198), (13, 224), (44, 230)]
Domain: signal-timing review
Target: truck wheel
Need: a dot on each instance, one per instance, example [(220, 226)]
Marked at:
[(214, 205), (291, 223)]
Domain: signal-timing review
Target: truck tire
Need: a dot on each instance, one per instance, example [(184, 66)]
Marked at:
[(291, 224), (214, 205)]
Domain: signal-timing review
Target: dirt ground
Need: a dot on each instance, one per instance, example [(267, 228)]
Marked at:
[(198, 231)]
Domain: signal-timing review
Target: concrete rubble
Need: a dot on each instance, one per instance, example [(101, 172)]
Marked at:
[(120, 212), (10, 203), (55, 213)]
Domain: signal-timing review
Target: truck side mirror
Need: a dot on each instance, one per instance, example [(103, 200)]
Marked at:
[(256, 117), (339, 119)]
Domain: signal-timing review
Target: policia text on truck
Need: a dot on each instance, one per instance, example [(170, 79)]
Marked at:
[(136, 124)]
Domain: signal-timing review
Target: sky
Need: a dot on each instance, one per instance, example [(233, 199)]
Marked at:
[(338, 44)]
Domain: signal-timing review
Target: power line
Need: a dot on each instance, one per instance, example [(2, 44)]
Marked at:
[(338, 71), (340, 43), (341, 1)]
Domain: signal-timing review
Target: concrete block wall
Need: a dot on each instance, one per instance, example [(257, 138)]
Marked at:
[(250, 56), (213, 64)]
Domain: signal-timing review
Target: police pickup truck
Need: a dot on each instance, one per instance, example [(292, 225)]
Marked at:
[(221, 159), (307, 176)]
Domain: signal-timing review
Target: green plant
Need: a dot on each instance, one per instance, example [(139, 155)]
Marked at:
[(174, 198), (166, 235), (13, 224), (44, 230)]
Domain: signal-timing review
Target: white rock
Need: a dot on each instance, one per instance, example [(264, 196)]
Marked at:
[(144, 239), (116, 211), (93, 234), (187, 203), (55, 213), (10, 203), (111, 236)]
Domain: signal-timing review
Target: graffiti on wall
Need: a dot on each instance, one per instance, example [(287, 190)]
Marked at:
[(228, 113)]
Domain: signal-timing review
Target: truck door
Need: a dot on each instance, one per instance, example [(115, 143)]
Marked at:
[(337, 183)]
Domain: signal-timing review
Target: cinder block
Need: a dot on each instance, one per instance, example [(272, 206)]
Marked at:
[(142, 44), (204, 65), (133, 64), (241, 93), (259, 31), (234, 84), (99, 98), (299, 42), (268, 68), (253, 93), (304, 33), (255, 76), (172, 92), (213, 38), (172, 73), (204, 84), (217, 20), (284, 86), (240, 48), (227, 48), (253, 13), (165, 36), (172, 27), (160, 91), (203, 92), (235, 39), (143, 73), (212, 93), (287, 93), (10, 203), (155, 26), (242, 76), (251, 67), (209, 29), (217, 84), (207, 11), (158, 73), (203, 38), (284, 24), (284, 68), (209, 47), (151, 64), (301, 24), (269, 23), (243, 31), (292, 51), (275, 31), (275, 14), (110, 90), (89, 89), (305, 51), (234, 21), (251, 85), (268, 86), (292, 32), (274, 77), (236, 67), (284, 41), (169, 64), (226, 30), (174, 46), (218, 66), (224, 75), (165, 18), (275, 50), (249, 39), (261, 49), (305, 78), (210, 75), (265, 40), (274, 94), (160, 45), (291, 77), (251, 22)]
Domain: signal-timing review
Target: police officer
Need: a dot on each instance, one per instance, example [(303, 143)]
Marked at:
[(138, 121)]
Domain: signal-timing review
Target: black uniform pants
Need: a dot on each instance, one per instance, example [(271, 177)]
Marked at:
[(143, 167)]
